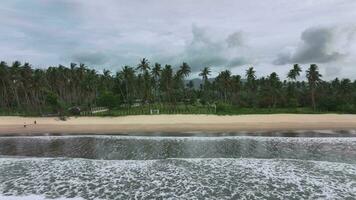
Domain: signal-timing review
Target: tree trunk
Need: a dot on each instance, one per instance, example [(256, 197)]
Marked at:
[(16, 97), (313, 98), (6, 98)]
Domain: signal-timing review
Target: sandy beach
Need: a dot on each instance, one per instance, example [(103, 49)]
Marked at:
[(175, 123)]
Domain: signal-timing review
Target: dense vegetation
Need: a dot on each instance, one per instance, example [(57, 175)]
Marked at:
[(27, 90)]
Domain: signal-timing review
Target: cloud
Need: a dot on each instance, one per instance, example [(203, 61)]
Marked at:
[(204, 51), (236, 39), (318, 45), (332, 71), (239, 61), (351, 33), (46, 33), (91, 58)]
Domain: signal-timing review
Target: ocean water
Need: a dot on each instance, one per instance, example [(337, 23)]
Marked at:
[(141, 167)]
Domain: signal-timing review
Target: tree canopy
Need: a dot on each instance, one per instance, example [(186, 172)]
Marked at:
[(25, 88)]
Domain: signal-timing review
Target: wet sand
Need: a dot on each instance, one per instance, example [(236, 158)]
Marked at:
[(175, 123)]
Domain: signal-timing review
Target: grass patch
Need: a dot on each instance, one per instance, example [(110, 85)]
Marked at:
[(231, 110), (221, 109), (163, 109)]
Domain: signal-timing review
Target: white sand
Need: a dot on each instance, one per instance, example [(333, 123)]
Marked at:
[(173, 123)]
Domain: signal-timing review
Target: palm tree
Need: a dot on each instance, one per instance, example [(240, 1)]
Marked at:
[(250, 74), (26, 82), (295, 72), (314, 78), (105, 81), (156, 73), (224, 81), (236, 86), (72, 82), (146, 87), (16, 81), (38, 87), (292, 75), (4, 79), (166, 82), (204, 73), (274, 87), (251, 85), (144, 65), (184, 70), (128, 76)]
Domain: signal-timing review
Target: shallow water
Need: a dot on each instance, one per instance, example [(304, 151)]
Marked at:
[(141, 167)]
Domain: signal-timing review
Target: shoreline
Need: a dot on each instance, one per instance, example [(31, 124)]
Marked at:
[(175, 123)]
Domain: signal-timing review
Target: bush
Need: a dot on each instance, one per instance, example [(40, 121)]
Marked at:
[(292, 103), (225, 109), (74, 111), (52, 99), (56, 105), (347, 108), (108, 99), (328, 104)]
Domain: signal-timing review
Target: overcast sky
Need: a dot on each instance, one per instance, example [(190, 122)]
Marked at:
[(270, 35)]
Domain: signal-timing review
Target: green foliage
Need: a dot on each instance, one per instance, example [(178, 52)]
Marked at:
[(329, 104), (226, 109), (57, 105), (52, 100), (108, 99), (135, 90), (347, 108), (292, 103), (163, 109)]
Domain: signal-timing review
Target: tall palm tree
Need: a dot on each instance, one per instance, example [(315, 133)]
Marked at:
[(274, 87), (127, 75), (147, 86), (314, 78), (292, 75), (4, 81), (250, 74), (166, 82), (105, 82), (16, 81), (144, 65), (204, 73), (251, 85), (295, 72), (224, 81), (156, 73), (184, 70), (38, 87), (26, 82), (236, 86)]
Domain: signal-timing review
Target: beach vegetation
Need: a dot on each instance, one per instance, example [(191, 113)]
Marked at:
[(28, 90)]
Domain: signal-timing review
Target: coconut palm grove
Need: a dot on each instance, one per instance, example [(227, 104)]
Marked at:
[(25, 90)]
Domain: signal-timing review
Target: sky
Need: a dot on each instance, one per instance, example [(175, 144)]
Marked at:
[(270, 35)]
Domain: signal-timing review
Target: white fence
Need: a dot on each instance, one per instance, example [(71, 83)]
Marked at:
[(94, 110)]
